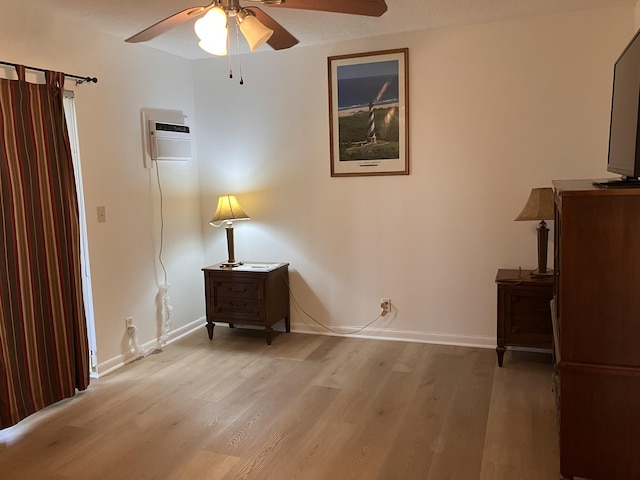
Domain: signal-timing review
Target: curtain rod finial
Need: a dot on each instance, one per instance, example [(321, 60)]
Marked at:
[(80, 81)]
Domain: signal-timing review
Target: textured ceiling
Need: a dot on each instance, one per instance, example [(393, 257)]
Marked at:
[(124, 18)]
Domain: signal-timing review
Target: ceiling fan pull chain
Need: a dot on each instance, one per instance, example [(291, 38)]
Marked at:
[(238, 50), (229, 50)]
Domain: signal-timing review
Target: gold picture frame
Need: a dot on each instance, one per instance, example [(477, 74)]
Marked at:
[(369, 113)]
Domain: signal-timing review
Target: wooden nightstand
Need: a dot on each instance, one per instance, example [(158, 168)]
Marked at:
[(524, 311), (251, 294)]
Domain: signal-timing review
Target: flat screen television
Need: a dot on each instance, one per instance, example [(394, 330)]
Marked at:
[(624, 130)]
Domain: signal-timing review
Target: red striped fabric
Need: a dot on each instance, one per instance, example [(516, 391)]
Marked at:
[(43, 340)]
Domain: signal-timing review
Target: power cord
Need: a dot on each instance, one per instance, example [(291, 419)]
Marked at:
[(167, 308), (319, 323), (161, 220)]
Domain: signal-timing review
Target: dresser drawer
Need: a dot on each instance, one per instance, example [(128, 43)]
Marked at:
[(237, 289)]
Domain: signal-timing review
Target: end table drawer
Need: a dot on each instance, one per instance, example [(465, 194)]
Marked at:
[(246, 307), (528, 313), (237, 289)]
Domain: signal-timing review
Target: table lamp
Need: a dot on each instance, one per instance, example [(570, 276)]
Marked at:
[(539, 206), (228, 210)]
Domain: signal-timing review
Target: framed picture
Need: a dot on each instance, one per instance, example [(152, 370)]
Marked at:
[(369, 113)]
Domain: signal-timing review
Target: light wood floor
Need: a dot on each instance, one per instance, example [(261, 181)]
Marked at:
[(307, 407)]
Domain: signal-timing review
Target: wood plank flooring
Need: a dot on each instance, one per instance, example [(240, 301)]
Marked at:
[(307, 407)]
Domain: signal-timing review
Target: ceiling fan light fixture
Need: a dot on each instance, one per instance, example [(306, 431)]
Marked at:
[(253, 30), (212, 24), (215, 46)]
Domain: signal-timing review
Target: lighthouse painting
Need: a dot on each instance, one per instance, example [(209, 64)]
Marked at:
[(369, 113)]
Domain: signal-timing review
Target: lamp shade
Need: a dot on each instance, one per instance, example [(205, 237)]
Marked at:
[(215, 46), (254, 32), (213, 32), (539, 206), (212, 24), (228, 209)]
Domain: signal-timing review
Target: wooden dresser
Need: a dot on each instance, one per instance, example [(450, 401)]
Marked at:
[(250, 294), (597, 330)]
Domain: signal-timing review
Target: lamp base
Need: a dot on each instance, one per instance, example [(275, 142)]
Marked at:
[(542, 271), (231, 260), (230, 265), (536, 274)]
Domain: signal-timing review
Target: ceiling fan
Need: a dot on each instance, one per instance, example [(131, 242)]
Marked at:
[(256, 26)]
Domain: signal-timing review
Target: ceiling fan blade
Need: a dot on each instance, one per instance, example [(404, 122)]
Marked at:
[(372, 8), (167, 24), (281, 38)]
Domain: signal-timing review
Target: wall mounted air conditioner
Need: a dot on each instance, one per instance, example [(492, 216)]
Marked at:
[(169, 141)]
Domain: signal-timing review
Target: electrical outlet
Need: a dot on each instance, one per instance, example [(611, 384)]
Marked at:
[(385, 305), (128, 322)]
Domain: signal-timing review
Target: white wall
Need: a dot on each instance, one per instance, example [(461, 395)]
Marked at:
[(124, 265), (495, 110)]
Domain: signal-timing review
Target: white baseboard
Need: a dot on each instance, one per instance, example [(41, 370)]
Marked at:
[(342, 331), (121, 360), (402, 336)]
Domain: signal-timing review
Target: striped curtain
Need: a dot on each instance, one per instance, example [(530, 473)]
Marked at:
[(43, 339)]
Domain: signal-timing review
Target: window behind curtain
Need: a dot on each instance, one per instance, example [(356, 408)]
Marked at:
[(72, 127)]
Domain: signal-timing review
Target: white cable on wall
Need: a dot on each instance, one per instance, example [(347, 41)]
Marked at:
[(167, 308)]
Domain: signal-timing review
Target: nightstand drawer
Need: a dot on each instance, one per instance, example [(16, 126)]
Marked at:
[(528, 314), (248, 308), (237, 289)]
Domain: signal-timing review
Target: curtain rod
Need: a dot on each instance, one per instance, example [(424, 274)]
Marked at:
[(79, 79)]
